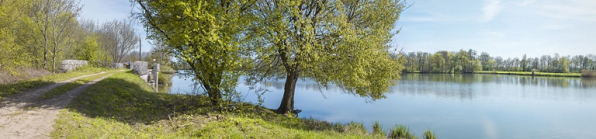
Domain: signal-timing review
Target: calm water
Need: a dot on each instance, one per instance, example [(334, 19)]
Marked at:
[(453, 106)]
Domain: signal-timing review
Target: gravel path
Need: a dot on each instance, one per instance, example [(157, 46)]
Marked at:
[(26, 115)]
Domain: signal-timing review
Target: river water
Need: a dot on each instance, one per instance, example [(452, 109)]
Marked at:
[(452, 106)]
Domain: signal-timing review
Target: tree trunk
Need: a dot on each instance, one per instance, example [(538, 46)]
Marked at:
[(214, 94), (287, 102), (54, 58), (45, 48)]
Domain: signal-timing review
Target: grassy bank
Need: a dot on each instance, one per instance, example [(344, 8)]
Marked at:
[(16, 87), (529, 73), (123, 106)]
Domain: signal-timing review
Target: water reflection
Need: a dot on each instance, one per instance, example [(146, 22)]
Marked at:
[(302, 84), (487, 78), (469, 86), (452, 106)]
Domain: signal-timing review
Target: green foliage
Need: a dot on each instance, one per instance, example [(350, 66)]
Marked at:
[(332, 42), (164, 80), (429, 135), (469, 61), (89, 49), (400, 132), (204, 34), (377, 129), (13, 19)]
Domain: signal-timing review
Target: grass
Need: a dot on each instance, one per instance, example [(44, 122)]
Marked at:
[(528, 73), (123, 106), (16, 87), (69, 86)]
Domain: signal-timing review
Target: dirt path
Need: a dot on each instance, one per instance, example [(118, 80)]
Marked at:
[(26, 115)]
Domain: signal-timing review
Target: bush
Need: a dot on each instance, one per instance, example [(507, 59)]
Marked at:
[(429, 135), (588, 73), (400, 132), (163, 80), (377, 129)]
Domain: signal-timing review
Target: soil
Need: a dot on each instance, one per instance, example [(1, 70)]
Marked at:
[(27, 115)]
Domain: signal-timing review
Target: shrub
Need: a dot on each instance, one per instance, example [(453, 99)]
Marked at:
[(377, 129), (588, 73), (429, 135), (400, 132), (163, 80)]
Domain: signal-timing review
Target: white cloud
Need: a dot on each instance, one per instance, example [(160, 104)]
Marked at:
[(490, 10), (570, 11)]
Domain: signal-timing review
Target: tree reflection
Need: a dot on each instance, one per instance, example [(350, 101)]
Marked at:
[(509, 79), (470, 86)]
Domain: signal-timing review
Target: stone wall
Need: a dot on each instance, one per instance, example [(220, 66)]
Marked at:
[(117, 65), (140, 67), (69, 65)]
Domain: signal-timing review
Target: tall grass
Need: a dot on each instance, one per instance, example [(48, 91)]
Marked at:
[(401, 132), (377, 129)]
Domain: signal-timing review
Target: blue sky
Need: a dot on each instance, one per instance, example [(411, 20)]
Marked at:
[(507, 28)]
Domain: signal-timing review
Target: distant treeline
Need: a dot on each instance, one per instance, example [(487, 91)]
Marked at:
[(469, 61)]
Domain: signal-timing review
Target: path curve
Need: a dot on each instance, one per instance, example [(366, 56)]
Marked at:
[(25, 115)]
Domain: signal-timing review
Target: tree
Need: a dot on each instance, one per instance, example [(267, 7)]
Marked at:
[(118, 38), (485, 61), (332, 42), (208, 35), (437, 62), (54, 19), (524, 63), (13, 20)]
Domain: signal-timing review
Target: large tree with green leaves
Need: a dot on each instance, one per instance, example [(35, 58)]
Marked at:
[(342, 42), (206, 34), (13, 25)]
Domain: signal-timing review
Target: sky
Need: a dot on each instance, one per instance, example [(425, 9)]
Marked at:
[(108, 10), (506, 28)]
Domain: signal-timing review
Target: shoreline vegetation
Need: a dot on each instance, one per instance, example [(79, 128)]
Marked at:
[(585, 73), (124, 106)]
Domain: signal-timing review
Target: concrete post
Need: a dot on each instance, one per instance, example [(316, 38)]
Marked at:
[(156, 72)]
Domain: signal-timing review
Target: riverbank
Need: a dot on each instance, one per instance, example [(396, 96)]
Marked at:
[(123, 106), (522, 73), (529, 73)]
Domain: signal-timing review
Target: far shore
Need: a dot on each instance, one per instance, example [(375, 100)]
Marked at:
[(522, 73)]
